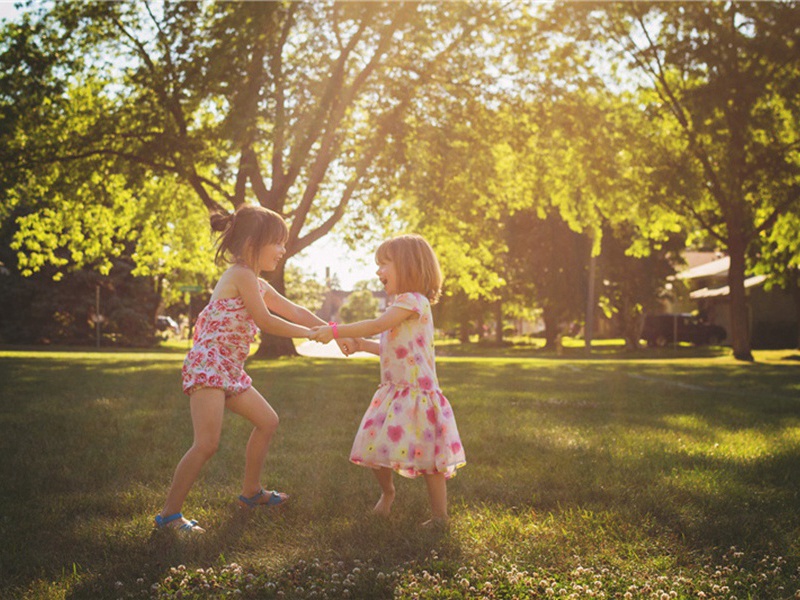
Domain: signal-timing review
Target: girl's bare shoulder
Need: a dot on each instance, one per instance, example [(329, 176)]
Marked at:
[(231, 282)]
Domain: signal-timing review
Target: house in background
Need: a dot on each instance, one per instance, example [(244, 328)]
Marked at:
[(335, 299), (773, 321)]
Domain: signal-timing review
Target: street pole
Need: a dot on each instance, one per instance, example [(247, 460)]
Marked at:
[(97, 313), (589, 329)]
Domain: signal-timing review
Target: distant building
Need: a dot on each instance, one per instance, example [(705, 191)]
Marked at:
[(334, 299), (773, 319)]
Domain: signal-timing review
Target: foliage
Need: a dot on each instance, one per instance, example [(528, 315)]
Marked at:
[(286, 104), (719, 84), (635, 285), (52, 307), (549, 262), (304, 290), (293, 98), (359, 306), (38, 310)]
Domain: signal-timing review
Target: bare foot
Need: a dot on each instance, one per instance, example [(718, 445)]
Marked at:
[(438, 523), (384, 505)]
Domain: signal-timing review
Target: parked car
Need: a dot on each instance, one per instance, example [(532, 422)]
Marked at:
[(163, 323), (660, 330)]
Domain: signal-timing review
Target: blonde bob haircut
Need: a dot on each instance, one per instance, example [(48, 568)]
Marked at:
[(416, 265)]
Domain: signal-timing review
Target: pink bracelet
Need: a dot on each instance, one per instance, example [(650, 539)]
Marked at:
[(335, 326)]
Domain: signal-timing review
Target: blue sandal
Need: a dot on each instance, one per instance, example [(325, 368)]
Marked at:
[(162, 522), (254, 501)]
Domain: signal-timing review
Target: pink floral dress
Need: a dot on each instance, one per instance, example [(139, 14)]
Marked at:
[(409, 425), (223, 333)]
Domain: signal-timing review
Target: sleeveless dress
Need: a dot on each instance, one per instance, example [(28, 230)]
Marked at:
[(409, 426), (221, 343)]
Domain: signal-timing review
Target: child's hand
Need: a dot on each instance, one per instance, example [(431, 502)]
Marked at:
[(348, 345), (322, 334)]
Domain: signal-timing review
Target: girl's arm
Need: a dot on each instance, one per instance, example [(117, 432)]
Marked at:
[(289, 310), (391, 318), (280, 304), (247, 284), (371, 346)]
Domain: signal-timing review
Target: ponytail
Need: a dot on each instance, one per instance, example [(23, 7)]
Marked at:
[(221, 221), (246, 231)]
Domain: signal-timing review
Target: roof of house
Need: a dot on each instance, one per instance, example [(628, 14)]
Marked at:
[(717, 267), (725, 290)]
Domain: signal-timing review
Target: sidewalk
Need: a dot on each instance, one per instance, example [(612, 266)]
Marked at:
[(329, 350)]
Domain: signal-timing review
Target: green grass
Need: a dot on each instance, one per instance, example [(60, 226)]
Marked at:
[(599, 477)]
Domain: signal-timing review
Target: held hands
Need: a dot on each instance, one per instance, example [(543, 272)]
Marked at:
[(322, 334), (349, 345)]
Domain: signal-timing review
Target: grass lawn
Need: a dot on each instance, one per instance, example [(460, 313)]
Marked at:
[(669, 477)]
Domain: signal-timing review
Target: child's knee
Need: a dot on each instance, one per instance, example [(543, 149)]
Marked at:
[(207, 448), (272, 422), (268, 423)]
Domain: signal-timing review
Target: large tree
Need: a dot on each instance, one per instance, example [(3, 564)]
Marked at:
[(288, 104), (778, 257), (720, 83)]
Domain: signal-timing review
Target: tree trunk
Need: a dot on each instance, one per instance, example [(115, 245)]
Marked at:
[(740, 318), (794, 290), (498, 316), (273, 346), (551, 327), (631, 324), (464, 329)]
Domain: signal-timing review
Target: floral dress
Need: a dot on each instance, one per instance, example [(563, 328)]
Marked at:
[(409, 425), (222, 337)]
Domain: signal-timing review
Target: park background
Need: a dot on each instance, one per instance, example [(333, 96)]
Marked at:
[(564, 160)]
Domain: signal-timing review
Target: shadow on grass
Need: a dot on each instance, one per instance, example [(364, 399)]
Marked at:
[(704, 454), (711, 465)]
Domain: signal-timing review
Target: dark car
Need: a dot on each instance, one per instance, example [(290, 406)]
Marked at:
[(660, 330)]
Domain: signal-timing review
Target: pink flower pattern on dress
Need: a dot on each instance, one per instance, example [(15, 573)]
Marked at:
[(222, 336), (409, 425)]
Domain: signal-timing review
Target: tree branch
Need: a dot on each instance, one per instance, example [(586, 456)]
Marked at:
[(279, 135), (338, 110)]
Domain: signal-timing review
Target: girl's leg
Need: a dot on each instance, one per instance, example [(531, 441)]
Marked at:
[(207, 407), (437, 495), (385, 478), (253, 407)]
